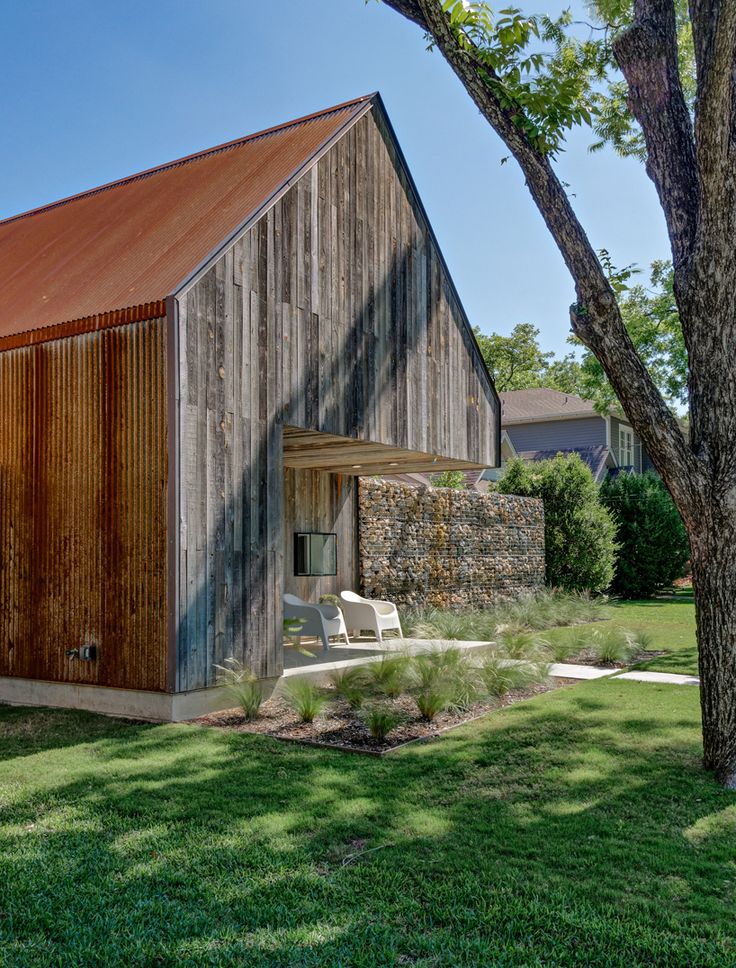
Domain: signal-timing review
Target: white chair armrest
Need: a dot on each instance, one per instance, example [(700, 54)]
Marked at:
[(329, 611), (384, 608)]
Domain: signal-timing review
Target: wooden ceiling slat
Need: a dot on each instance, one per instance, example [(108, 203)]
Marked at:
[(348, 455)]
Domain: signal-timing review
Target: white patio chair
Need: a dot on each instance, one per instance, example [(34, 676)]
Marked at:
[(365, 613), (320, 620)]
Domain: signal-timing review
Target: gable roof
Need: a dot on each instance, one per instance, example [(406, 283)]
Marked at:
[(595, 456), (115, 253), (522, 406)]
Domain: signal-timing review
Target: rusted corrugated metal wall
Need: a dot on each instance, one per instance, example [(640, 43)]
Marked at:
[(83, 475)]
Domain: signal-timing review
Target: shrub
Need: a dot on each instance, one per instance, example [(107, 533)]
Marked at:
[(453, 479), (329, 599), (579, 532), (613, 645), (653, 545), (242, 685), (306, 699), (352, 685), (381, 719)]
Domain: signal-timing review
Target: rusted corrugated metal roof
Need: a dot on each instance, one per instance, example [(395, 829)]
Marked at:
[(110, 251)]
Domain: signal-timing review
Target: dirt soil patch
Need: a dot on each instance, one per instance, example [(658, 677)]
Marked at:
[(342, 728)]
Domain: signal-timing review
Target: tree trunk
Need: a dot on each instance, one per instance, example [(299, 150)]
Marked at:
[(693, 171), (714, 579)]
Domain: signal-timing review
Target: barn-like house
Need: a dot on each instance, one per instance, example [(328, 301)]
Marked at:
[(197, 363)]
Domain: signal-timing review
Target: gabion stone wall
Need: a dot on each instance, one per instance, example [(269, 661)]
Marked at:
[(448, 548)]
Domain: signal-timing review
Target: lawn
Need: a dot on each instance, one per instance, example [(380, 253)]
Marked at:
[(573, 829), (669, 622)]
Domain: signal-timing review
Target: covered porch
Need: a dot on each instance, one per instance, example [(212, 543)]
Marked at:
[(321, 473)]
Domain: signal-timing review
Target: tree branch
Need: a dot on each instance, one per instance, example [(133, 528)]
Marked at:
[(646, 52), (714, 36), (596, 318)]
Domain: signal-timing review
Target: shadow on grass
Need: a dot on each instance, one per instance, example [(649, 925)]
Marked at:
[(687, 599), (553, 832)]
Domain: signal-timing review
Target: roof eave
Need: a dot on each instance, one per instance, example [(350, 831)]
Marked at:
[(514, 421)]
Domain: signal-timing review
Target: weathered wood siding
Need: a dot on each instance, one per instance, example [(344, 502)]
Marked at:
[(321, 502), (83, 475), (333, 313)]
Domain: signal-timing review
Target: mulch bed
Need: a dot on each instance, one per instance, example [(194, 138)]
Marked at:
[(339, 726), (588, 658)]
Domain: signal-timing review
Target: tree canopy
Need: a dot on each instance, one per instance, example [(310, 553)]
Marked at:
[(517, 362), (652, 321), (651, 317)]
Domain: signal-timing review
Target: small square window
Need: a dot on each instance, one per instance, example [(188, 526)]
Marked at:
[(315, 553)]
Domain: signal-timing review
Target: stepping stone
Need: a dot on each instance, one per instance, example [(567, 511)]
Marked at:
[(570, 670), (669, 678)]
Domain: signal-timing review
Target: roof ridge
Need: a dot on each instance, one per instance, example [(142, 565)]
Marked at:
[(196, 156)]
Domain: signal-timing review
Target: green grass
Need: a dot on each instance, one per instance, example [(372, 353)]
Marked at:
[(575, 829), (669, 622)]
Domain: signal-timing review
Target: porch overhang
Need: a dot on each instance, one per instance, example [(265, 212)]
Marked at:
[(307, 449)]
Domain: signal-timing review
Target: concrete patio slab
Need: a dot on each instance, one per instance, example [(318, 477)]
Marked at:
[(669, 678), (312, 659)]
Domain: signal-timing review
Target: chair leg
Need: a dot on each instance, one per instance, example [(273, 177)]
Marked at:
[(325, 640), (379, 636)]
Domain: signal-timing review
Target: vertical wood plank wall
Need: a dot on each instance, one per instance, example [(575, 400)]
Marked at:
[(83, 471), (315, 501), (332, 313)]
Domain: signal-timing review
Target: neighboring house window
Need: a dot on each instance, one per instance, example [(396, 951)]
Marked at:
[(625, 447)]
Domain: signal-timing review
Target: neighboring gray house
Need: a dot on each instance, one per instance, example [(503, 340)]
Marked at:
[(540, 423)]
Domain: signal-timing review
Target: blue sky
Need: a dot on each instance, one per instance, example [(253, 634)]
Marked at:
[(98, 90)]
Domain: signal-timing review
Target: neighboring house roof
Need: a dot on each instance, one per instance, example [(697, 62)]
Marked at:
[(597, 456), (525, 406), (123, 248), (473, 479)]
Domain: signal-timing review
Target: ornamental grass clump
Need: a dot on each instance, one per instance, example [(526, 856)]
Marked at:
[(516, 644), (427, 686), (447, 678), (566, 646), (436, 623), (459, 673), (388, 676), (431, 702), (352, 685), (242, 684), (501, 675), (306, 699), (546, 608), (381, 719), (613, 646)]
